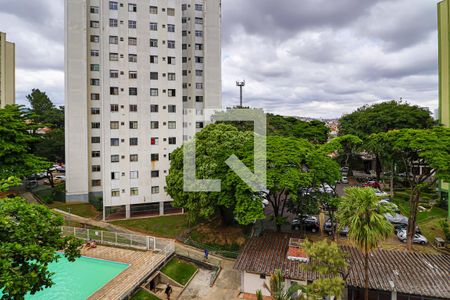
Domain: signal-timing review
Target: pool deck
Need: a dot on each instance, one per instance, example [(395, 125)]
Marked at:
[(141, 264)]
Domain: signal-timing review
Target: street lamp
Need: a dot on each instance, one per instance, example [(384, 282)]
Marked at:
[(240, 84)]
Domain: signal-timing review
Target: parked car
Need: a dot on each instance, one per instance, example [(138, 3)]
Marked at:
[(380, 193), (418, 238), (61, 177), (328, 228), (372, 183), (344, 179), (344, 169), (400, 227), (306, 222), (396, 218), (389, 204)]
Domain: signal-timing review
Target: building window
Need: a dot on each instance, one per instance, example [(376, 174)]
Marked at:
[(95, 125), (95, 53), (154, 141), (115, 175), (115, 193), (134, 157), (199, 86), (184, 46), (172, 141), (199, 33), (154, 157), (185, 98), (113, 39), (132, 7), (95, 39), (132, 91), (170, 60), (199, 73), (155, 189), (184, 33), (171, 92), (95, 111), (134, 191), (154, 174), (113, 23), (114, 125), (153, 92), (172, 125), (114, 91), (171, 76), (95, 153), (185, 85), (113, 73), (153, 43), (133, 107), (153, 75), (170, 28), (184, 59), (133, 125), (154, 124), (95, 24), (171, 11), (154, 108), (153, 26), (199, 21), (199, 59), (114, 142), (113, 56), (95, 140), (132, 41), (199, 125), (114, 107), (95, 82), (96, 182), (131, 24), (95, 96), (198, 7), (95, 9), (172, 108), (183, 7), (184, 20), (153, 10), (132, 58), (113, 5), (115, 158), (134, 174), (171, 44), (198, 46), (95, 168), (132, 74), (198, 98), (153, 59), (133, 141)]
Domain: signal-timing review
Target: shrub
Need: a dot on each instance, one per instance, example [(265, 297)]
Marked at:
[(446, 228)]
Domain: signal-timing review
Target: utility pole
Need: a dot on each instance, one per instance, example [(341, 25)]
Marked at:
[(240, 84)]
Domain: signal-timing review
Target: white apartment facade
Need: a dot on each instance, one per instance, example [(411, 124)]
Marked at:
[(7, 71), (139, 74)]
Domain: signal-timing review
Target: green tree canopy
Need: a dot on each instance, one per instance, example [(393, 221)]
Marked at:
[(16, 141), (43, 111)]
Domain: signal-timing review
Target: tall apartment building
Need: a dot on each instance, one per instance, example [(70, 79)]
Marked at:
[(444, 73), (139, 74), (7, 71)]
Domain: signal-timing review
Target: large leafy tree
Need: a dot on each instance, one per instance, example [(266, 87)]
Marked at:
[(16, 140), (414, 148), (383, 117), (43, 111), (359, 210), (30, 235), (329, 262)]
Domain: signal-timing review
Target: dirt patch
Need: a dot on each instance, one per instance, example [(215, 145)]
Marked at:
[(208, 233)]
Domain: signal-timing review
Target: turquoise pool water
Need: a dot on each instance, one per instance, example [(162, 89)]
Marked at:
[(78, 280)]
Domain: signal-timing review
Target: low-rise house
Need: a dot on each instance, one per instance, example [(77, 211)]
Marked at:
[(393, 275)]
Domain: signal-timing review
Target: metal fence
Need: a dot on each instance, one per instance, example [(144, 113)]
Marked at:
[(141, 242)]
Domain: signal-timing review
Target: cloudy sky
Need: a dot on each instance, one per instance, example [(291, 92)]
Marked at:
[(316, 58)]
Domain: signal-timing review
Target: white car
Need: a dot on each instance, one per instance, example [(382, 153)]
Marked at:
[(418, 238), (381, 194), (344, 179), (389, 204), (61, 177)]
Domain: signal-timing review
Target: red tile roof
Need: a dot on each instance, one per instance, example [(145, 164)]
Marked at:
[(409, 272)]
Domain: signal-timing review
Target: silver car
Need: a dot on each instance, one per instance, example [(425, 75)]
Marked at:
[(418, 238)]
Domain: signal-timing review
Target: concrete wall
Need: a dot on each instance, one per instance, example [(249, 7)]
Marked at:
[(7, 71)]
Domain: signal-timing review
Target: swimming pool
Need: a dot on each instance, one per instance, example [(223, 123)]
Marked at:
[(78, 280)]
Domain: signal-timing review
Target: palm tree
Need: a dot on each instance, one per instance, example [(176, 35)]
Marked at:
[(278, 289), (360, 211)]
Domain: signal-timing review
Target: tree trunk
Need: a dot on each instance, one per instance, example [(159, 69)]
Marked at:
[(413, 204), (392, 180), (378, 167), (366, 273), (50, 178)]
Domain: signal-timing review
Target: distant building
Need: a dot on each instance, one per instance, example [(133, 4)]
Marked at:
[(444, 74), (393, 275), (7, 72)]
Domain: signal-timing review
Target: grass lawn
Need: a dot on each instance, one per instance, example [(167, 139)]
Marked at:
[(179, 270), (167, 226), (144, 295), (80, 209)]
